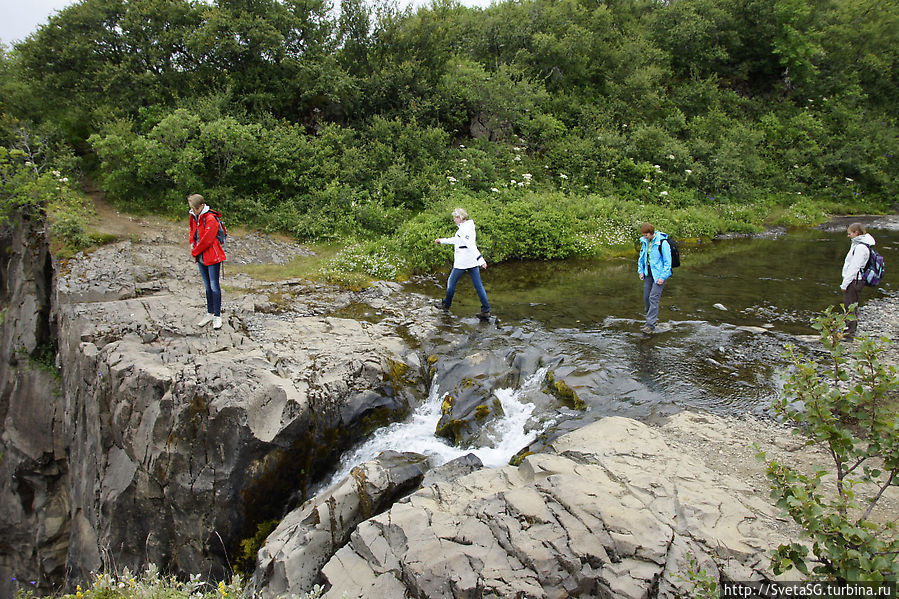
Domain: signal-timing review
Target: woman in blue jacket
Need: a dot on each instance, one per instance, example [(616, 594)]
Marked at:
[(654, 268)]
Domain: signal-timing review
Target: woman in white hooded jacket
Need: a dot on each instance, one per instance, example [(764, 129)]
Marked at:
[(467, 258), (853, 265)]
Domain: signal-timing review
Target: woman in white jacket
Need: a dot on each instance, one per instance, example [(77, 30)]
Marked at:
[(467, 258), (853, 265)]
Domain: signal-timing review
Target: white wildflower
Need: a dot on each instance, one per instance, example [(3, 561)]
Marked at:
[(461, 146), (663, 194), (29, 163), (464, 160), (514, 181), (516, 149), (527, 176), (670, 156), (494, 190), (850, 179), (517, 158), (452, 180), (647, 181), (563, 176), (688, 171)]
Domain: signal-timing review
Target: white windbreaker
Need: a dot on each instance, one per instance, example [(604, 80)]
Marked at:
[(856, 259), (467, 254)]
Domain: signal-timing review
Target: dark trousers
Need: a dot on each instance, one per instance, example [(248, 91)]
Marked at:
[(851, 295)]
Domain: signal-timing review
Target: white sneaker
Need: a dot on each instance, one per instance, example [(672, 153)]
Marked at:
[(206, 320), (217, 322)]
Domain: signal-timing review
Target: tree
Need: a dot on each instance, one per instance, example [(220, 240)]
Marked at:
[(98, 58), (848, 404)]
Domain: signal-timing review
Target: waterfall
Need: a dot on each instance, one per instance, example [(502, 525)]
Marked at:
[(508, 434)]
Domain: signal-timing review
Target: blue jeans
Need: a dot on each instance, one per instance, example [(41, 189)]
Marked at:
[(210, 275), (476, 281), (652, 296)]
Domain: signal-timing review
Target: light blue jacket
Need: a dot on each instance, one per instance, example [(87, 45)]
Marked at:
[(659, 257)]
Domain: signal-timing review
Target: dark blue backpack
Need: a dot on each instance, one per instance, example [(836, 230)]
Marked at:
[(872, 273)]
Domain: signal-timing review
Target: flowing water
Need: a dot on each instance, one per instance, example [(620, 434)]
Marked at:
[(584, 316)]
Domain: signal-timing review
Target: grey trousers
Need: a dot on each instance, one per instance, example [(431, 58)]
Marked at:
[(652, 296)]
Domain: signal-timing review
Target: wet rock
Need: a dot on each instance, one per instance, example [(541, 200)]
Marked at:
[(450, 471), (469, 403), (308, 537), (721, 307), (756, 330)]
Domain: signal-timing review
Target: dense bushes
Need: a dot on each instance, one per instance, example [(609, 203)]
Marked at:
[(554, 120)]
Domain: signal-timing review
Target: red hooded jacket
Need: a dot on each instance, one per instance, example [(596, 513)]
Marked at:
[(203, 237)]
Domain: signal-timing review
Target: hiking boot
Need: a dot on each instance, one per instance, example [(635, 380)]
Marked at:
[(441, 305), (217, 322), (206, 320), (484, 315), (647, 330)]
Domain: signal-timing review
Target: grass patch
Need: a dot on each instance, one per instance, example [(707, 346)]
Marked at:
[(301, 267)]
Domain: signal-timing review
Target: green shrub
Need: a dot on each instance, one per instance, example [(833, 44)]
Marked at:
[(847, 403)]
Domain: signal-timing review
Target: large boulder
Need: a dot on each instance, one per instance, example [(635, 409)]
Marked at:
[(610, 511)]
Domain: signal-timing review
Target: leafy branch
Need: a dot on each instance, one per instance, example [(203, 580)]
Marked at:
[(846, 403)]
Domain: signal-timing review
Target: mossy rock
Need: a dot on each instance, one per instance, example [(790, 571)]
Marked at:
[(569, 396), (564, 393), (481, 412), (396, 374), (365, 502), (519, 457), (249, 547), (447, 406), (451, 430), (432, 365)]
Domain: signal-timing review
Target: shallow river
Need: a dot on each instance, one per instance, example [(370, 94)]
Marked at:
[(584, 317)]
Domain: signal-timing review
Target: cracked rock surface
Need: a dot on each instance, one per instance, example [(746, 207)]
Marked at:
[(609, 511)]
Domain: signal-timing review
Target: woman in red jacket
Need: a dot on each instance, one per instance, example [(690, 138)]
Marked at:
[(209, 254)]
